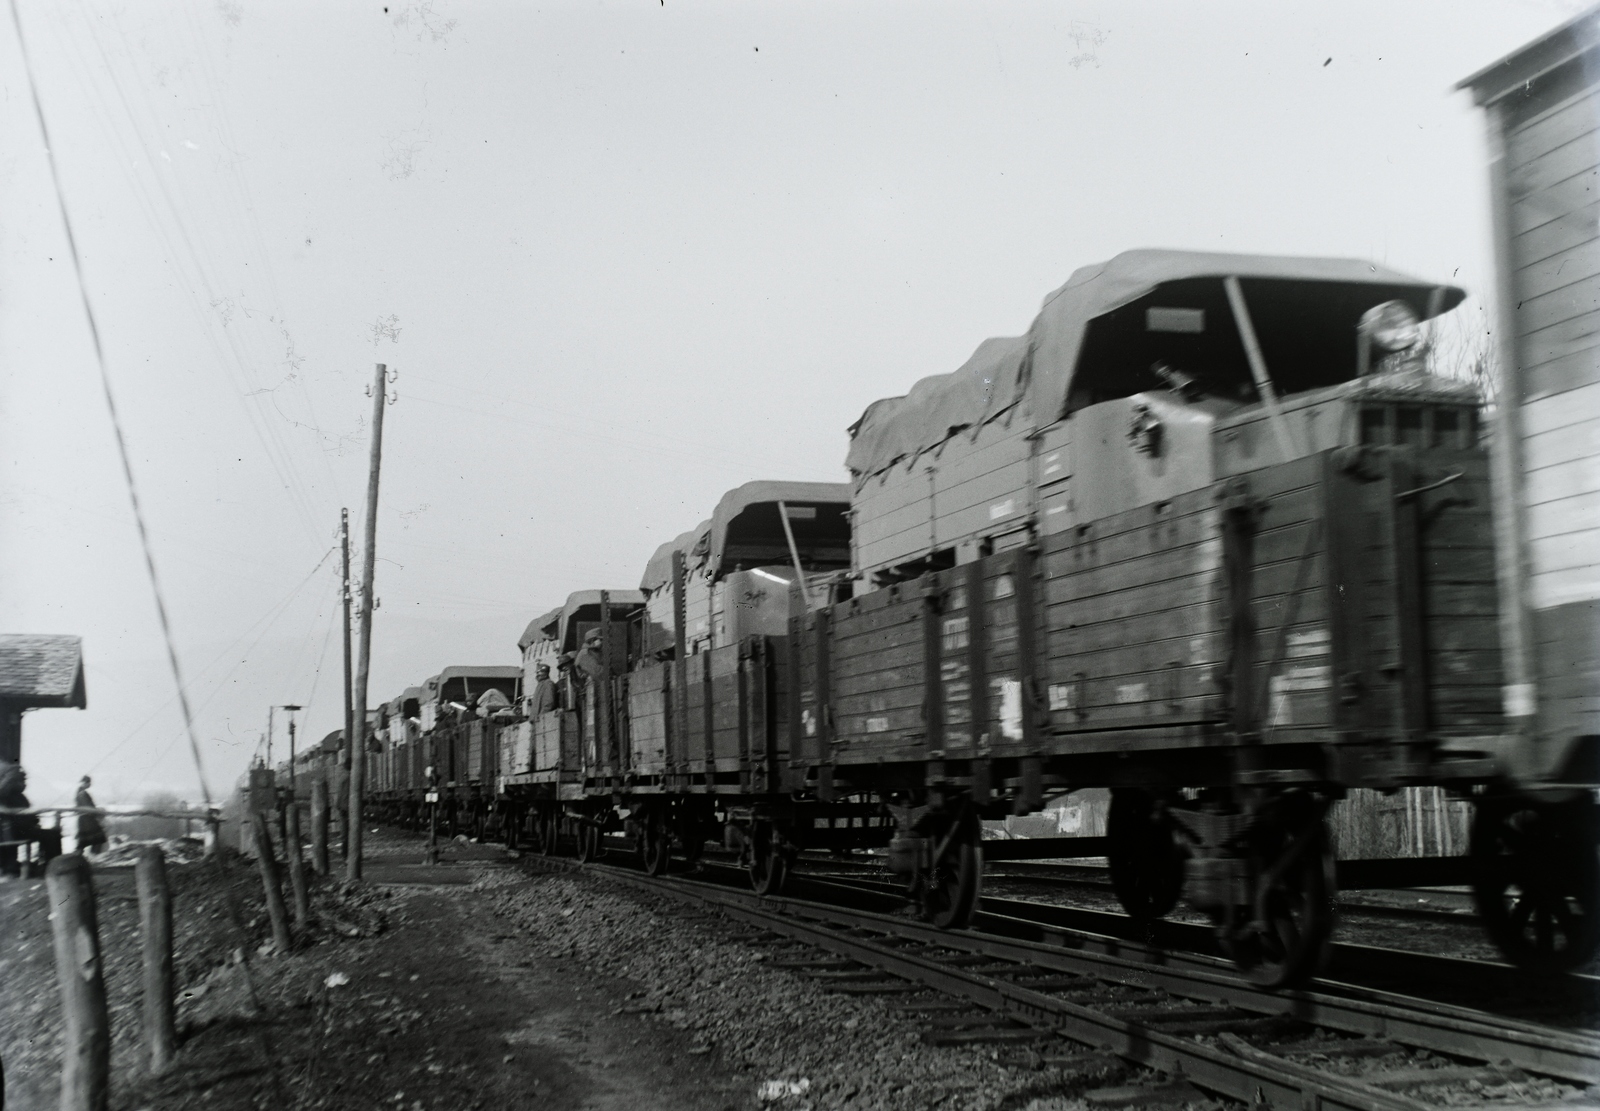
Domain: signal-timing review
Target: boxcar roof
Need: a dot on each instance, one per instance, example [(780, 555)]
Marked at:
[(1516, 70), (1298, 306), (539, 628), (658, 572), (42, 669)]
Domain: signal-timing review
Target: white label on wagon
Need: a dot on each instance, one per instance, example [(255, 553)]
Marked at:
[(1133, 692), (1002, 509)]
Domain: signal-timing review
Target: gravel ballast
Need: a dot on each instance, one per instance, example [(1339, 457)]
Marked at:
[(800, 1045)]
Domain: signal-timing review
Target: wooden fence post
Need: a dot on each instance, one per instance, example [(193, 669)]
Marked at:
[(297, 867), (319, 826), (155, 930), (269, 881), (86, 1033)]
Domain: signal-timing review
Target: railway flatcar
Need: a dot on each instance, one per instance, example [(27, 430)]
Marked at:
[(435, 751), (1211, 535)]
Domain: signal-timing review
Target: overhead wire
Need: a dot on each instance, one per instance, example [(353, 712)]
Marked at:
[(111, 407), (168, 223), (277, 610)]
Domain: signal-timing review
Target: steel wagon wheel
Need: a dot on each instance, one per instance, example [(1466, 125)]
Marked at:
[(1536, 881), (656, 844), (769, 866)]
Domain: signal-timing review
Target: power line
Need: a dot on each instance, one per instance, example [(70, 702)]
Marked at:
[(276, 611), (111, 407)]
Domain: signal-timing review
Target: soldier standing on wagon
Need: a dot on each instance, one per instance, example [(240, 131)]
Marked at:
[(545, 697), (91, 834)]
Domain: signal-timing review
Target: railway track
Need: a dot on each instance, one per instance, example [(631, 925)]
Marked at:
[(1186, 1017), (1080, 877), (1568, 1001)]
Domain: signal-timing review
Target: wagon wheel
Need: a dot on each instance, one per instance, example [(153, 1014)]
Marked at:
[(656, 844), (1146, 864), (1287, 942), (768, 867), (550, 834), (1536, 881), (511, 821), (589, 844), (692, 831), (950, 890)]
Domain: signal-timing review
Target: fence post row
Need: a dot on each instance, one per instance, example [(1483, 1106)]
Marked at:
[(86, 1033), (297, 867), (319, 826), (269, 881), (155, 929)]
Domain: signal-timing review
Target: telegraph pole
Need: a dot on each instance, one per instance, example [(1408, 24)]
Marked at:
[(358, 709), (349, 690)]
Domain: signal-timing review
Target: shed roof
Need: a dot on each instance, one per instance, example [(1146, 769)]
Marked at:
[(1577, 36), (1324, 296), (42, 669)]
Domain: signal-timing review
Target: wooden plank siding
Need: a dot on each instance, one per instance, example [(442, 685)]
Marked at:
[(1552, 148), (648, 707)]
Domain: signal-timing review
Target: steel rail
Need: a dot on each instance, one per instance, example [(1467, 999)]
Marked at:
[(1181, 942), (1241, 1073)]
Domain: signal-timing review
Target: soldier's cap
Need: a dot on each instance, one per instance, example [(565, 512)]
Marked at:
[(542, 669), (593, 634)]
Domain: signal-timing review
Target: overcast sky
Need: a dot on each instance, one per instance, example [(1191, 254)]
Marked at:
[(623, 257)]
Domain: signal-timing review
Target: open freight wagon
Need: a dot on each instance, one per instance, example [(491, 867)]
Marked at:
[(1213, 534)]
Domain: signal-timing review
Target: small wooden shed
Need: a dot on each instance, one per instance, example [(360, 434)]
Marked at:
[(36, 670)]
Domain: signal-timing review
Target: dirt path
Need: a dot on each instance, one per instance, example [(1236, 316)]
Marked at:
[(435, 1010), (482, 984)]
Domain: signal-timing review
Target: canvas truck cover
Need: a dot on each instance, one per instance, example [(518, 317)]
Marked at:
[(1089, 340), (623, 601), (540, 628), (753, 494), (658, 572), (497, 671)]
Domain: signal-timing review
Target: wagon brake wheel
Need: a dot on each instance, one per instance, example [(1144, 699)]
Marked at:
[(769, 867), (1146, 865), (1536, 881), (950, 892), (656, 844)]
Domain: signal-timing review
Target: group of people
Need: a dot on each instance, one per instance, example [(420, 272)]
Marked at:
[(19, 827), (581, 668)]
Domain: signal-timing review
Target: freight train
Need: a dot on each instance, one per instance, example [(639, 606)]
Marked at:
[(1212, 534)]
